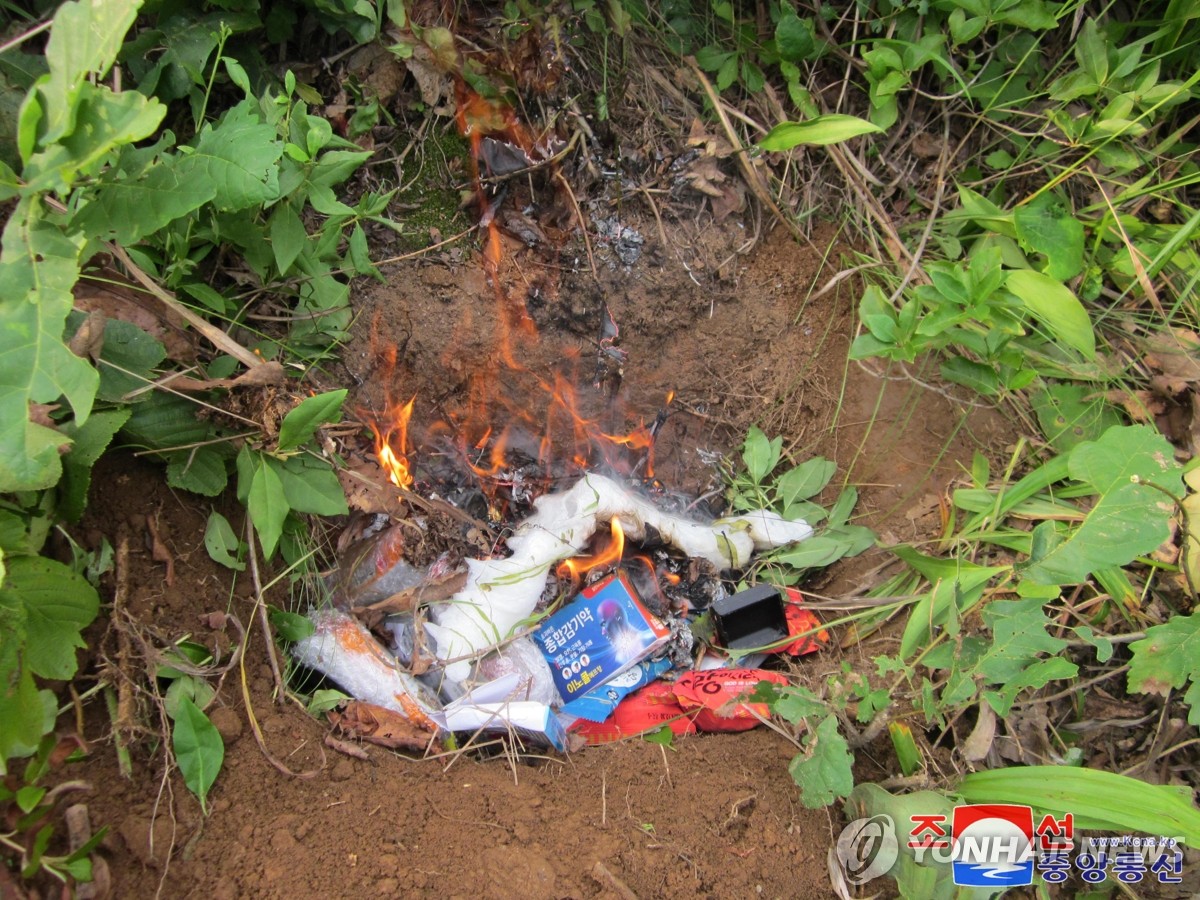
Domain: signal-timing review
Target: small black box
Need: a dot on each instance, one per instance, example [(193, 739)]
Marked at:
[(751, 618)]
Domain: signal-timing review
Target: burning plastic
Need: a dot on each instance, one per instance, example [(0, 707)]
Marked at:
[(500, 594)]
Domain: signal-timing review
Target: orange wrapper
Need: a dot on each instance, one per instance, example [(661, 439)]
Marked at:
[(644, 710), (716, 698), (799, 621)]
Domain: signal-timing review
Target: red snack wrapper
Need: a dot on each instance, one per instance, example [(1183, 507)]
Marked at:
[(644, 710), (716, 697), (799, 621)]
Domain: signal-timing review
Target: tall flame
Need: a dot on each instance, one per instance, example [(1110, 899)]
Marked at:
[(391, 445)]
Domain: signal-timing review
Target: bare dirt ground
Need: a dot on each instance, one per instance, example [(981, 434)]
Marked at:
[(715, 816)]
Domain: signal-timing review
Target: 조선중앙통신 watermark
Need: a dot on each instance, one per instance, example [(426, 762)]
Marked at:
[(1003, 845)]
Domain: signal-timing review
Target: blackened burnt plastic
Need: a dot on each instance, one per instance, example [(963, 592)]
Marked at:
[(751, 618)]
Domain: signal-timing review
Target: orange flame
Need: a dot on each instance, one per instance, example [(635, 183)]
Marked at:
[(575, 569), (391, 442)]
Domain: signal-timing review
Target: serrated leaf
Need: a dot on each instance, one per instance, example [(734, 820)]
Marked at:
[(88, 442), (823, 771), (1130, 516), (267, 504), (166, 421), (84, 39), (222, 543), (127, 359), (821, 131), (310, 486), (302, 422), (1167, 658), (200, 470), (38, 267), (1055, 306), (806, 480), (1019, 637), (199, 750), (58, 605), (793, 703)]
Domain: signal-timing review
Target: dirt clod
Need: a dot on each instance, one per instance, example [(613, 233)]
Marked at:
[(228, 723)]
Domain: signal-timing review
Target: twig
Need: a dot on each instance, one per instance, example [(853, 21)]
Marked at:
[(587, 244), (602, 874), (216, 336), (414, 254), (260, 607), (124, 718)]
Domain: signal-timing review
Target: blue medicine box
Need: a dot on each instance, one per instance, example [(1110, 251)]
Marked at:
[(605, 631)]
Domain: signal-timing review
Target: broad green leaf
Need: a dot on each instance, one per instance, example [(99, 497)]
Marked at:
[(127, 359), (1126, 467), (1166, 659), (267, 505), (290, 626), (1053, 304), (200, 470), (816, 551), (288, 236), (793, 703), (823, 769), (794, 37), (189, 687), (58, 605), (199, 750), (1018, 636), (821, 131), (84, 39), (38, 268), (221, 543), (88, 442), (978, 377), (760, 453), (302, 422), (310, 486), (166, 421), (232, 165), (1069, 414), (27, 713), (1033, 677), (1055, 234), (104, 121), (806, 480)]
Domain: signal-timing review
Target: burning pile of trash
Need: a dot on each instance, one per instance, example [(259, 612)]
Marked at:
[(558, 646)]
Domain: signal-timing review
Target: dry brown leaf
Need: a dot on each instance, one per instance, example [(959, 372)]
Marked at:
[(712, 145), (376, 725), (732, 200), (1175, 358), (88, 341), (705, 175), (432, 82), (979, 742), (159, 551), (270, 373), (1142, 406)]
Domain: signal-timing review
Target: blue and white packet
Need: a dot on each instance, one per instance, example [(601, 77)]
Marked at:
[(598, 704)]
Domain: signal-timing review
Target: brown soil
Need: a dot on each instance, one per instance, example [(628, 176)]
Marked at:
[(716, 815)]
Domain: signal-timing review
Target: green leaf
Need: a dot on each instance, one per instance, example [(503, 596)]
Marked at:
[(1056, 235), (222, 543), (324, 700), (127, 359), (267, 504), (232, 165), (823, 770), (1019, 637), (806, 480), (1167, 658), (816, 551), (199, 750), (1053, 303), (27, 713), (200, 470), (29, 797), (58, 604), (187, 687), (978, 377), (1091, 50), (38, 268), (166, 421), (1099, 800), (88, 442), (84, 39), (1068, 419), (289, 625), (760, 454), (663, 736), (1130, 516), (310, 486), (302, 422), (793, 703), (908, 754), (794, 37), (288, 236), (821, 131)]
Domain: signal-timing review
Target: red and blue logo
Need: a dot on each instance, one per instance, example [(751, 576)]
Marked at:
[(992, 845)]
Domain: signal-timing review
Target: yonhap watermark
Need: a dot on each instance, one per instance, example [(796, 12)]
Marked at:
[(1003, 845)]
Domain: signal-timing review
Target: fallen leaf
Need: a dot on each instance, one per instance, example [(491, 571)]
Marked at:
[(373, 724), (1175, 357), (88, 341), (115, 297), (979, 741), (268, 374), (159, 551)]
